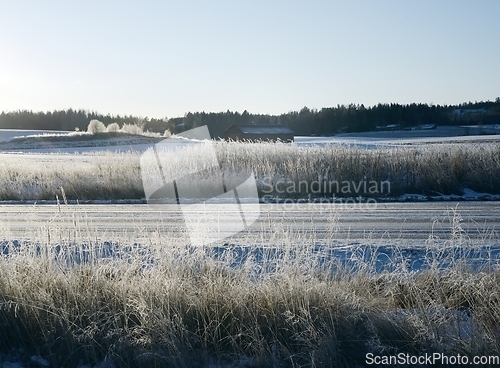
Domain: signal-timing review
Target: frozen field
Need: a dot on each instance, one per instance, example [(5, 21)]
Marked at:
[(367, 140), (8, 134), (387, 222), (386, 232)]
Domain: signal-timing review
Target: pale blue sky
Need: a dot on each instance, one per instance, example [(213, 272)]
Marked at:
[(165, 58)]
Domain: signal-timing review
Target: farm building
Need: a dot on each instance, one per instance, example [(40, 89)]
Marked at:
[(271, 133)]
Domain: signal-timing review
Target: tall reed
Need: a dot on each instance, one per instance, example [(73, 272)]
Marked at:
[(146, 300), (280, 169)]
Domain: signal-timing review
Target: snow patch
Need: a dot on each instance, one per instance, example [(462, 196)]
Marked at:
[(7, 364), (37, 359), (413, 198), (467, 195)]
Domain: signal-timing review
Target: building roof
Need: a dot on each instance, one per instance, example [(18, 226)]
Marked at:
[(264, 129)]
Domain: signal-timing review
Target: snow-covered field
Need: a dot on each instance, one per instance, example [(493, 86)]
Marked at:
[(367, 140), (398, 152), (8, 134), (456, 168), (380, 141), (376, 139)]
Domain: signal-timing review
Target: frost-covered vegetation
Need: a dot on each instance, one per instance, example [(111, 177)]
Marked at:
[(282, 170), (104, 175), (97, 126), (152, 300), (96, 135), (75, 296)]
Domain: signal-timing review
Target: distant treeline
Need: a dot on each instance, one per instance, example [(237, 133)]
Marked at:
[(73, 120), (351, 118), (327, 121)]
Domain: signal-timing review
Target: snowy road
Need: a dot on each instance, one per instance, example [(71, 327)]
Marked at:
[(390, 221)]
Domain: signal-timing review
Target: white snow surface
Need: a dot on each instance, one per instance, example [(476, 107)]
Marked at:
[(8, 134), (368, 140)]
